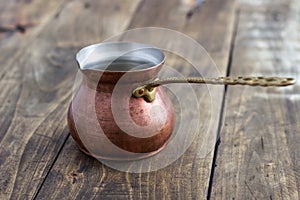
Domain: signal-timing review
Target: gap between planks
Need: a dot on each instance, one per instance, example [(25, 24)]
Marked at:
[(221, 119)]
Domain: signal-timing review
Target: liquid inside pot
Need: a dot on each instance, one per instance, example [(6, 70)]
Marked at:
[(120, 65)]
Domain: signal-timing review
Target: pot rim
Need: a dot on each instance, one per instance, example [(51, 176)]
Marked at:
[(145, 52)]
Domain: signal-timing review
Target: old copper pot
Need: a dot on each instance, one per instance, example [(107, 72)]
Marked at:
[(132, 132)]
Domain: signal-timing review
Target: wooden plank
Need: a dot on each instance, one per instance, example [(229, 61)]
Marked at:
[(11, 49), (259, 155), (76, 176), (25, 12), (20, 23), (22, 17), (36, 89)]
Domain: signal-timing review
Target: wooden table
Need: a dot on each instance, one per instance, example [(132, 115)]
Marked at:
[(257, 155)]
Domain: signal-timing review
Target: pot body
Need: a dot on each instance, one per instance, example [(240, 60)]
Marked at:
[(107, 122)]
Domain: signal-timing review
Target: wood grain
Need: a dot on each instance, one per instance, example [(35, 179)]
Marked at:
[(259, 153), (18, 18), (14, 124), (20, 23), (76, 176), (36, 83)]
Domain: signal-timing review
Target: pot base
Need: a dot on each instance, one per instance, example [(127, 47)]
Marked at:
[(138, 157)]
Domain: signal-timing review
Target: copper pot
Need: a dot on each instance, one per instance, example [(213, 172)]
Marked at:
[(104, 118)]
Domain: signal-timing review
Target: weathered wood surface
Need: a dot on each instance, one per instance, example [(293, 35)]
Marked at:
[(37, 73), (76, 176), (16, 169), (259, 156), (25, 16)]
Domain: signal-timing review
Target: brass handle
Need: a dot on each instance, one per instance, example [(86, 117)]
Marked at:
[(148, 90)]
